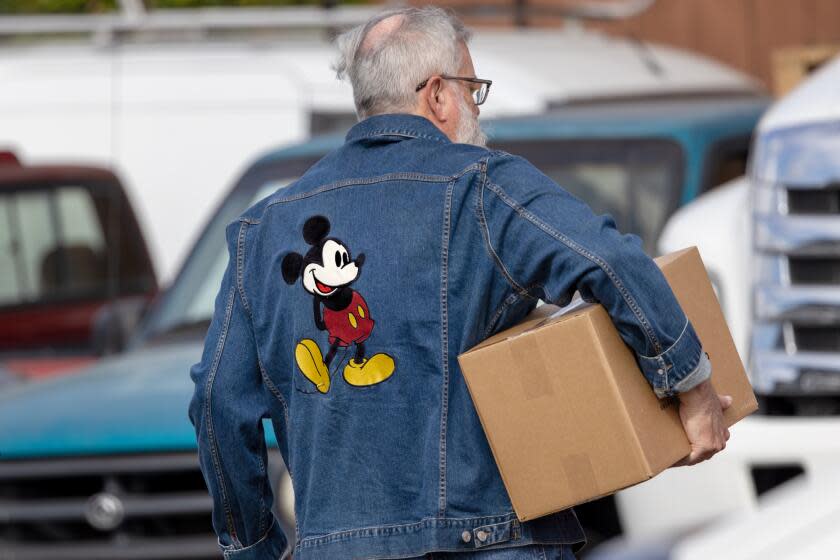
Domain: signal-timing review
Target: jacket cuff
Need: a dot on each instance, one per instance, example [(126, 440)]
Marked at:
[(271, 546), (679, 368), (701, 373)]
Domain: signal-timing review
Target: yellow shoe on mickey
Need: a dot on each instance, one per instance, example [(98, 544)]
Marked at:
[(311, 364), (371, 371)]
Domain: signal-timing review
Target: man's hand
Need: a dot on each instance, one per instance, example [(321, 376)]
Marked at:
[(701, 412)]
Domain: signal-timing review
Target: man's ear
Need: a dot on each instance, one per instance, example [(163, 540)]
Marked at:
[(436, 98)]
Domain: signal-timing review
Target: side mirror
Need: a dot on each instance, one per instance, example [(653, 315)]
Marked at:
[(114, 323)]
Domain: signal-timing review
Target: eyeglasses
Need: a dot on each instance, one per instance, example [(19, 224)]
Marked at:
[(479, 95)]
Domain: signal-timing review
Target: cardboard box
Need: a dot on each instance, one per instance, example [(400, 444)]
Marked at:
[(569, 415)]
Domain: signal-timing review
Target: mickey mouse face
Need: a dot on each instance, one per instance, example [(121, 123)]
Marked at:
[(336, 269), (327, 265)]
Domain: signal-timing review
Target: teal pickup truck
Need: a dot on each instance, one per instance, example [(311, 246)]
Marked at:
[(103, 464)]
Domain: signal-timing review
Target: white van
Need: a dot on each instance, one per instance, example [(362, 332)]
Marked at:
[(179, 121)]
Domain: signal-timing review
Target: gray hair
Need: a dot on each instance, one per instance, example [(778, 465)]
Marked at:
[(385, 72)]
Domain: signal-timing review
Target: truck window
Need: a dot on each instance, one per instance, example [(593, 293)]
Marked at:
[(326, 122), (189, 302), (79, 223), (637, 181), (9, 286), (726, 160), (36, 240), (52, 246)]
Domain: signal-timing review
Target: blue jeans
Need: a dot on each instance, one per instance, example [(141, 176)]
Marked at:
[(528, 552)]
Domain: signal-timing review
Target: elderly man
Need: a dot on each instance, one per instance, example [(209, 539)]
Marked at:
[(349, 293)]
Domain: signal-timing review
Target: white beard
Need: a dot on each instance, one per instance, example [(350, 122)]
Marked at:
[(469, 130)]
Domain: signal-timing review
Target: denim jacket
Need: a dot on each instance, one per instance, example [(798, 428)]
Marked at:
[(348, 296)]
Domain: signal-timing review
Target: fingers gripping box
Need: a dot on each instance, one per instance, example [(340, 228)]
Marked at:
[(567, 412)]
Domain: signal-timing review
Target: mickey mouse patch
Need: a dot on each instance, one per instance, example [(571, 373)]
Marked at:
[(326, 273)]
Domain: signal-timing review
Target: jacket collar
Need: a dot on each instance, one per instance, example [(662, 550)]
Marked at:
[(399, 124)]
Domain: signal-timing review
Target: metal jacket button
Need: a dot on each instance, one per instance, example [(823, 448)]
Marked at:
[(465, 536), (482, 535)]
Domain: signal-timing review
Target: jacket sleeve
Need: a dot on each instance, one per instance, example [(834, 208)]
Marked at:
[(547, 243), (227, 409)]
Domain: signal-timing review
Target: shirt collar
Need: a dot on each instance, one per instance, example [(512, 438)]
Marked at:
[(399, 124)]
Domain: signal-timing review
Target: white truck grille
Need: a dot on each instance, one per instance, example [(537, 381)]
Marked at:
[(796, 334)]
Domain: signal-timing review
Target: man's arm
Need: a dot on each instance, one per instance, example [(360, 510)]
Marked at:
[(548, 243), (227, 409)]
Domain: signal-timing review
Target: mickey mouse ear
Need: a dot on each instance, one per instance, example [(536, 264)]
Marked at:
[(291, 265), (315, 229)]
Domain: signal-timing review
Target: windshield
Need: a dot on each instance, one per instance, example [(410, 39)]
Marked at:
[(638, 182), (197, 306), (187, 307)]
